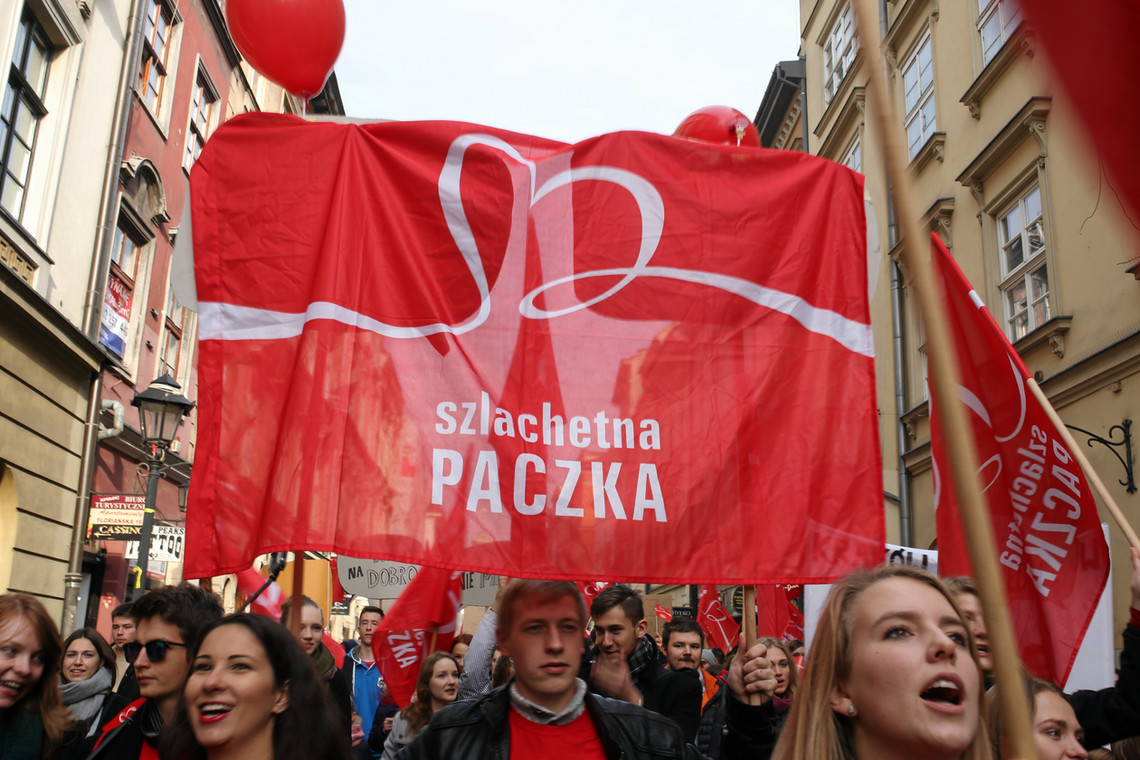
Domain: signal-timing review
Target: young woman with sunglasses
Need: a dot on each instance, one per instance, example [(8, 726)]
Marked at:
[(32, 716), (253, 694)]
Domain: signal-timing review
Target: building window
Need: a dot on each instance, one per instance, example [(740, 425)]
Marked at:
[(156, 49), (918, 92), (996, 21), (1025, 275), (119, 298), (23, 109), (172, 336), (839, 52), (203, 103), (853, 159)]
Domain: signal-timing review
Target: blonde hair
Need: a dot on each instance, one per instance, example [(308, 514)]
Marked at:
[(793, 674), (816, 732)]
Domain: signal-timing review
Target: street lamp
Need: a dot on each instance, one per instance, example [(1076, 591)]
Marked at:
[(161, 409)]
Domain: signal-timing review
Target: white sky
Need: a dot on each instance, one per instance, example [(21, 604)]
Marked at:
[(565, 71)]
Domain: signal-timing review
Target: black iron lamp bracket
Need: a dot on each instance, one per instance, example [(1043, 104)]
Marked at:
[(1114, 446)]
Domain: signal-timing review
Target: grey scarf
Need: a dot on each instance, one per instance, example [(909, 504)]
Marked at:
[(85, 698)]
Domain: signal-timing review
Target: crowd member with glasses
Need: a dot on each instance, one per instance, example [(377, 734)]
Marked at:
[(169, 624)]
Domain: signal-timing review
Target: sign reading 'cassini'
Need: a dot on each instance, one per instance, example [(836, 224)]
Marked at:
[(636, 357)]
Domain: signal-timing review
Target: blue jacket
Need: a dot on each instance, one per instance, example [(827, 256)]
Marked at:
[(364, 683)]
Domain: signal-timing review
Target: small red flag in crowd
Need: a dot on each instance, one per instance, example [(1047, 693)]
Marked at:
[(429, 604), (719, 627), (268, 603), (590, 589), (1050, 545), (662, 613)]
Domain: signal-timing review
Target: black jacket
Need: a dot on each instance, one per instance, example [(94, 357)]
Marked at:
[(674, 694), (751, 732), (480, 728), (1112, 714)]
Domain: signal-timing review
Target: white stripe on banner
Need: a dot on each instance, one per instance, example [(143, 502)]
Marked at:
[(223, 321)]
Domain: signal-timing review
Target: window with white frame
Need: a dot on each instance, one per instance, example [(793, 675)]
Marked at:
[(203, 104), (1025, 274), (155, 54), (853, 159), (839, 52), (918, 95), (23, 110), (118, 301), (172, 336), (996, 21)]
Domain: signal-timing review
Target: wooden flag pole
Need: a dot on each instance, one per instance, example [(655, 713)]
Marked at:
[(1013, 700), (748, 620), (297, 598), (1094, 479)]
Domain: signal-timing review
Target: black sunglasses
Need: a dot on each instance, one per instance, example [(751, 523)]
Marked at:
[(155, 650)]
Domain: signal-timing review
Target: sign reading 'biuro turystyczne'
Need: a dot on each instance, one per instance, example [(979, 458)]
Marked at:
[(115, 516)]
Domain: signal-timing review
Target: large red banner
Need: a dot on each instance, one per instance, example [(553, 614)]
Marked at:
[(636, 357), (1050, 544)]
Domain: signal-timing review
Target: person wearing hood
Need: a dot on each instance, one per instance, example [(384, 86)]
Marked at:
[(312, 632)]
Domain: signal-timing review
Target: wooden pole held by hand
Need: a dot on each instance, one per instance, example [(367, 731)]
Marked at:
[(748, 619), (1013, 700)]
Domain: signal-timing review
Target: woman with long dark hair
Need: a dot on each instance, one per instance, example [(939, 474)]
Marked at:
[(86, 676), (436, 687), (32, 716), (253, 694)]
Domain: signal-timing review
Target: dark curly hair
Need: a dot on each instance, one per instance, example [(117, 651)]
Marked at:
[(192, 608), (308, 729)]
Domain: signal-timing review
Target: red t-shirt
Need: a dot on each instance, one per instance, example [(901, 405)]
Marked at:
[(578, 739)]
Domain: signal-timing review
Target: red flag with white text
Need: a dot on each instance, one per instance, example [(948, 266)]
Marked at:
[(662, 613), (1049, 540), (457, 346), (425, 613), (719, 627)]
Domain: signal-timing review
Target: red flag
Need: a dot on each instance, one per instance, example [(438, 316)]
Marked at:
[(268, 603), (719, 627), (590, 589), (1083, 37), (1051, 548), (773, 616), (336, 591), (482, 350), (662, 613), (429, 604)]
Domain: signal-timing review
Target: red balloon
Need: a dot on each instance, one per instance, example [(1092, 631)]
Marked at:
[(293, 42), (719, 125)]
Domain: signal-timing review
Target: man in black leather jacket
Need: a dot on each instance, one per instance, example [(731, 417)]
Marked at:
[(542, 628)]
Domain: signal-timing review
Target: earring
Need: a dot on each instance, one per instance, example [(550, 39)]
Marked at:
[(851, 711)]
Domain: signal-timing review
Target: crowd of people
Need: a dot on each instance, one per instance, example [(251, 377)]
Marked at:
[(898, 668)]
